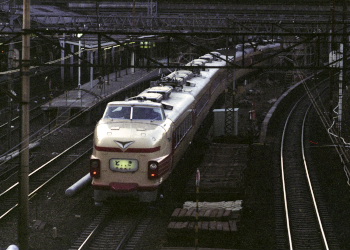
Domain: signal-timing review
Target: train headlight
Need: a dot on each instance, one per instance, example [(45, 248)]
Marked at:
[(152, 170), (95, 168), (153, 166)]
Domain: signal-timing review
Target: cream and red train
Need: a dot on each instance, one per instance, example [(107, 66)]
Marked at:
[(138, 142)]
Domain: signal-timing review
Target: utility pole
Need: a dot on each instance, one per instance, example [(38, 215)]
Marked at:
[(345, 64), (230, 93), (332, 71), (23, 221), (10, 77)]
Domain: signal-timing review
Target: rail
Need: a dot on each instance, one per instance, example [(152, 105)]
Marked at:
[(305, 225), (45, 174)]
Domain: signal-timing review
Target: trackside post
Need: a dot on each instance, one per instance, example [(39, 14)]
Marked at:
[(198, 179)]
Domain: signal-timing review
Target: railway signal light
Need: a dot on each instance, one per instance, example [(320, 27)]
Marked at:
[(3, 49), (3, 58)]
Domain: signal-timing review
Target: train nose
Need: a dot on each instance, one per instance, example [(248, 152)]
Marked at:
[(123, 145)]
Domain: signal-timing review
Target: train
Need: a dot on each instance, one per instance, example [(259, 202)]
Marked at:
[(138, 142)]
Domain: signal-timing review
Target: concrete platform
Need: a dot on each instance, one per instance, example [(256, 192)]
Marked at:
[(91, 97), (92, 92)]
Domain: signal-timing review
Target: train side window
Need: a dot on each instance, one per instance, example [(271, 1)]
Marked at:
[(182, 130)]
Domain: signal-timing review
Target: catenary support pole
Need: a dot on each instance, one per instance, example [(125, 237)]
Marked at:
[(23, 221)]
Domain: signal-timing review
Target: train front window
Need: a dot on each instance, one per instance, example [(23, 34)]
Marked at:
[(118, 112), (148, 113)]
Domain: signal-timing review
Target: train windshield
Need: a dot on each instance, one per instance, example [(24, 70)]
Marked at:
[(148, 113), (118, 112), (135, 112)]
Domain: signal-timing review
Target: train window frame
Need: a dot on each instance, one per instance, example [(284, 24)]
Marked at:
[(182, 130), (202, 102)]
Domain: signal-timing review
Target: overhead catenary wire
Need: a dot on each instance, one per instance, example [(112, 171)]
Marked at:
[(40, 135), (328, 125)]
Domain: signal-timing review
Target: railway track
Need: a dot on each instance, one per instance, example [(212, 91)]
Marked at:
[(45, 174), (10, 130), (13, 133), (115, 228), (8, 160), (302, 219)]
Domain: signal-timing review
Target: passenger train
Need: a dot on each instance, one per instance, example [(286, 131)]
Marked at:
[(139, 141)]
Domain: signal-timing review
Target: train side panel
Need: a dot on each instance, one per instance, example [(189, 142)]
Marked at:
[(133, 156)]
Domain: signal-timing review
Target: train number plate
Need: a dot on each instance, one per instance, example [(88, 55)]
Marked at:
[(123, 165)]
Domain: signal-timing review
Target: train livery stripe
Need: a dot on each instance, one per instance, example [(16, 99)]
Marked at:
[(129, 150), (142, 150)]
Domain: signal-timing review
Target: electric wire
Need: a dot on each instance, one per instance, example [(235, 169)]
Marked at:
[(337, 140)]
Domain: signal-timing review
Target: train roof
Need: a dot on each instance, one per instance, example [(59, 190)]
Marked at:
[(181, 100), (135, 102), (175, 100)]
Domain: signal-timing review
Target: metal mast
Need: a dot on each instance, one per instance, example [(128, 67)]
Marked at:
[(23, 232)]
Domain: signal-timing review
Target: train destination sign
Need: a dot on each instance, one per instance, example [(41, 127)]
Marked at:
[(123, 165)]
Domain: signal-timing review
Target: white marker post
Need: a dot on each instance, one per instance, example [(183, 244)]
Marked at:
[(198, 180)]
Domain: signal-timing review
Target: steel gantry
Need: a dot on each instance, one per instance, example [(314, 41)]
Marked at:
[(295, 26), (302, 25), (282, 21)]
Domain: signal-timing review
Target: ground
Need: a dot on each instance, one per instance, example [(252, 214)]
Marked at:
[(57, 220)]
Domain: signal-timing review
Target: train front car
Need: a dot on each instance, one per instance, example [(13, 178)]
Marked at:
[(131, 154)]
